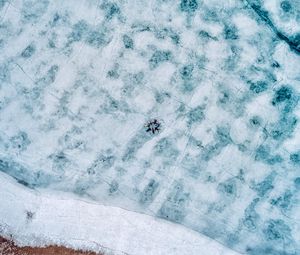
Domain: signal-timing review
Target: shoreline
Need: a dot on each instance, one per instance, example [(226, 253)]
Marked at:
[(8, 247)]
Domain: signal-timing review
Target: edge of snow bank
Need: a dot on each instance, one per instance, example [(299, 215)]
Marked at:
[(64, 219)]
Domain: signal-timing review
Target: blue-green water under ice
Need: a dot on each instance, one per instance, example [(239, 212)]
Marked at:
[(186, 110)]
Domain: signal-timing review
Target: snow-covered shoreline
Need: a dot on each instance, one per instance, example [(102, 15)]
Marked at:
[(63, 219)]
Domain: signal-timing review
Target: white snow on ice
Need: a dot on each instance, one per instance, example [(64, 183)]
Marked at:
[(61, 218)]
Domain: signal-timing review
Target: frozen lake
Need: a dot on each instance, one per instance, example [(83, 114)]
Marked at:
[(176, 116)]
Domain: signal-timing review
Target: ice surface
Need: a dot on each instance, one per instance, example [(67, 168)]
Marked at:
[(186, 110)]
